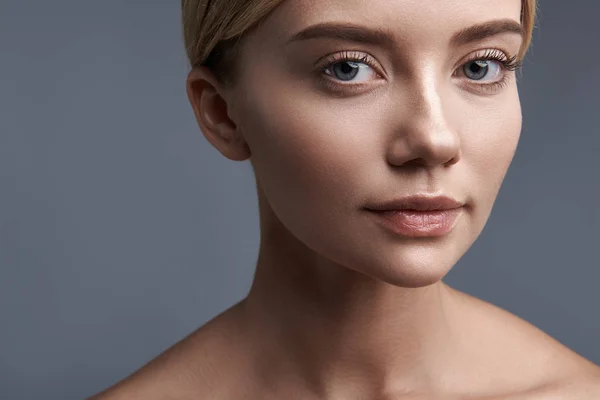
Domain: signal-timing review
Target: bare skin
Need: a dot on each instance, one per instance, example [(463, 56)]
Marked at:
[(512, 360), (340, 308)]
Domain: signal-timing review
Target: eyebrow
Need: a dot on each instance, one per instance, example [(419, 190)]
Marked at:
[(385, 38)]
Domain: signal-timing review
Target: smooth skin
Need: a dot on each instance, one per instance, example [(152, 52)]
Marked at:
[(340, 308)]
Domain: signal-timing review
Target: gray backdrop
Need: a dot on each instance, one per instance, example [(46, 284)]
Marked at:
[(122, 230)]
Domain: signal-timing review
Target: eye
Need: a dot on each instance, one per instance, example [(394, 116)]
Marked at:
[(348, 67), (478, 69), (488, 72), (488, 68), (349, 71)]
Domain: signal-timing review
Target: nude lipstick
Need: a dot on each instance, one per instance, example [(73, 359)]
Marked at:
[(418, 216)]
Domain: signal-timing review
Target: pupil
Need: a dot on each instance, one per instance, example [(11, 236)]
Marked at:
[(346, 70), (477, 70)]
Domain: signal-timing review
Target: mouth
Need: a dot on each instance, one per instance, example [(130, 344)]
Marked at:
[(418, 216), (417, 203)]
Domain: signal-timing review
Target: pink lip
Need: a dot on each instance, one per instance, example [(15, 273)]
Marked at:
[(419, 216), (418, 203), (419, 223)]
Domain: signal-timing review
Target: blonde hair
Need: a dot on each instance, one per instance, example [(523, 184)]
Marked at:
[(213, 30)]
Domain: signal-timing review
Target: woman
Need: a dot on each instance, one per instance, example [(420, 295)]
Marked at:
[(379, 132)]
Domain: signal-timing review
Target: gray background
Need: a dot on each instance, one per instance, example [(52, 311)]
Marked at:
[(122, 229)]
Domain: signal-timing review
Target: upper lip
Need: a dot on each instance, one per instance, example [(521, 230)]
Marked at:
[(418, 203)]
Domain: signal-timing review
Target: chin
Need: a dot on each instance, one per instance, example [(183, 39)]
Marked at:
[(412, 278), (413, 272), (409, 263)]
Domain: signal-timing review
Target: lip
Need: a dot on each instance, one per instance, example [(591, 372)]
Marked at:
[(419, 216), (418, 203)]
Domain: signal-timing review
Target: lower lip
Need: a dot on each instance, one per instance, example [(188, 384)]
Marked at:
[(419, 223)]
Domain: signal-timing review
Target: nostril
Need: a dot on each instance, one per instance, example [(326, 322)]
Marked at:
[(416, 162)]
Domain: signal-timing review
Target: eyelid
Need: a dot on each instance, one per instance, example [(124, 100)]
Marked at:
[(503, 57), (482, 52), (349, 55)]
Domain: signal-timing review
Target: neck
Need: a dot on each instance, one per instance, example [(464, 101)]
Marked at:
[(344, 333)]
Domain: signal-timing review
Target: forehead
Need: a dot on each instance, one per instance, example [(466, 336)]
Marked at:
[(411, 21)]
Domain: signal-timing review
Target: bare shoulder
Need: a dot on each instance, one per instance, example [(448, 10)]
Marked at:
[(569, 386), (519, 360), (539, 365), (196, 365)]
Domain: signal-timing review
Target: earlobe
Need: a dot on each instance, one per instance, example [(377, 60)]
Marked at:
[(210, 109)]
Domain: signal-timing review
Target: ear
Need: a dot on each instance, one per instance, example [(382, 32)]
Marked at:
[(210, 108)]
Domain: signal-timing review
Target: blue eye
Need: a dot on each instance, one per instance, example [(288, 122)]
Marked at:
[(489, 67), (348, 70), (352, 67), (478, 69), (348, 73)]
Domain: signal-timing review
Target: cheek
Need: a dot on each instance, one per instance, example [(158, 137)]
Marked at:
[(305, 158), (490, 145)]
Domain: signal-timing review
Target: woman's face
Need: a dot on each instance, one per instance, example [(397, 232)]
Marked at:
[(339, 119)]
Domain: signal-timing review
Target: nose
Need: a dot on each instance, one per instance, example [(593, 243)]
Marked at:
[(424, 135)]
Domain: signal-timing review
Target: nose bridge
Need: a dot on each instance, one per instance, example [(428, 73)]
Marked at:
[(426, 134), (425, 103)]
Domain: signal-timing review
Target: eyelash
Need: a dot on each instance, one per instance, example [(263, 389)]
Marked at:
[(507, 64)]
